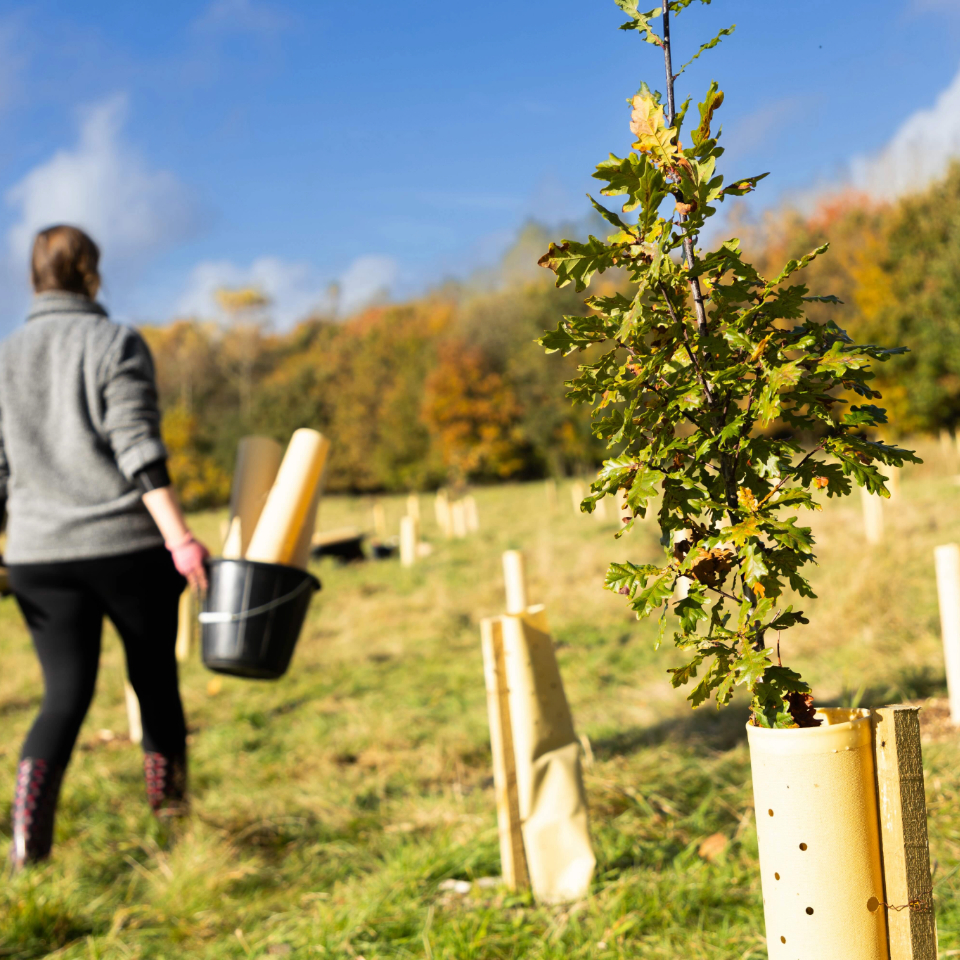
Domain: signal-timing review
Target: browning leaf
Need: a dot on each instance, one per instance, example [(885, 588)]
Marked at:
[(802, 709)]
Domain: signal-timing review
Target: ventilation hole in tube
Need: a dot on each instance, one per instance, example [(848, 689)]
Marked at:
[(770, 812), (873, 904), (809, 911), (783, 939), (776, 876), (803, 846)]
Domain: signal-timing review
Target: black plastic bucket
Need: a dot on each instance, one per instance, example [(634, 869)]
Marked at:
[(252, 616)]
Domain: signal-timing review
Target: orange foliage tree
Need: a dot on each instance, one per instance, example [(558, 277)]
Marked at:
[(473, 415)]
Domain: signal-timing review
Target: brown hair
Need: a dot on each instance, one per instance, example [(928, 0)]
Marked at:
[(65, 258)]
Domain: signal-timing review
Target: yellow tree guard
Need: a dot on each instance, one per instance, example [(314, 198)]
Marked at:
[(413, 506), (550, 793), (513, 860), (286, 513), (301, 553), (186, 625), (818, 833), (514, 581), (947, 560), (258, 460), (442, 511), (409, 540), (893, 482), (471, 515), (458, 519), (872, 516)]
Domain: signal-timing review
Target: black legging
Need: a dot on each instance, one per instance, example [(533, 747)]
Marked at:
[(64, 605)]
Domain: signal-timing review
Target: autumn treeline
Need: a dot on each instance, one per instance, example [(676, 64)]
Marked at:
[(452, 388), (447, 389)]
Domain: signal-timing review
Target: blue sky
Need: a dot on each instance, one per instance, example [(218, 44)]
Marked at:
[(297, 143)]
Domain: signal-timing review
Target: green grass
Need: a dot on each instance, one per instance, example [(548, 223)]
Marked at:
[(330, 806)]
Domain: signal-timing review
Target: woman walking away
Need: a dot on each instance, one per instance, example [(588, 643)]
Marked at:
[(93, 528)]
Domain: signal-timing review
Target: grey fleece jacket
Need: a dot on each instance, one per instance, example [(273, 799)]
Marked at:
[(78, 419)]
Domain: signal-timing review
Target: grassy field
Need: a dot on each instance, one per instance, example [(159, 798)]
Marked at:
[(331, 806)]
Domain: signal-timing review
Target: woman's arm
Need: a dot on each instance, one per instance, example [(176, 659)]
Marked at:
[(188, 553)]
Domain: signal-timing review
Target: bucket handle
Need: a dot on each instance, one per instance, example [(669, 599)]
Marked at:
[(216, 616)]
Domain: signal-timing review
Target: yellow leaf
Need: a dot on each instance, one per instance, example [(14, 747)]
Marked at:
[(653, 136), (761, 346), (747, 499)]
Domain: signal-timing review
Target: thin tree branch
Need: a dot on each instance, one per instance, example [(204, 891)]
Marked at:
[(792, 472), (695, 288), (667, 62), (708, 393), (667, 383)]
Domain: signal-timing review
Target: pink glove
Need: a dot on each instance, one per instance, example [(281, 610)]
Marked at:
[(188, 557)]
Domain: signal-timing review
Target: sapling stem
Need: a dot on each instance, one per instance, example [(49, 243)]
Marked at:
[(667, 62), (671, 116)]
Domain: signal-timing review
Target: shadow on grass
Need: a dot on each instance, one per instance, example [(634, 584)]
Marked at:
[(701, 731), (708, 730), (914, 683), (19, 705)]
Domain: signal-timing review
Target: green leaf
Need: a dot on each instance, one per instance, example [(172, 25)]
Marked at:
[(690, 611), (578, 262), (751, 667), (743, 186), (637, 177), (711, 102), (709, 45), (626, 577), (608, 215), (640, 21)]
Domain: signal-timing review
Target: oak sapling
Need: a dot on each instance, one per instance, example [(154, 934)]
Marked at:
[(704, 382)]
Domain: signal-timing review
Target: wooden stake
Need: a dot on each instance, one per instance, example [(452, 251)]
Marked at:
[(946, 443), (872, 516), (409, 541), (947, 560), (911, 924), (134, 723), (512, 857), (550, 487), (514, 581), (576, 495)]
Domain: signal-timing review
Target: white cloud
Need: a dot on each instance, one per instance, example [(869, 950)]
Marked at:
[(295, 289), (918, 153), (366, 279), (103, 186), (241, 16)]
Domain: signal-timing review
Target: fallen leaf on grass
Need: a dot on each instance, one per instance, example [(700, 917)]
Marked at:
[(712, 847)]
